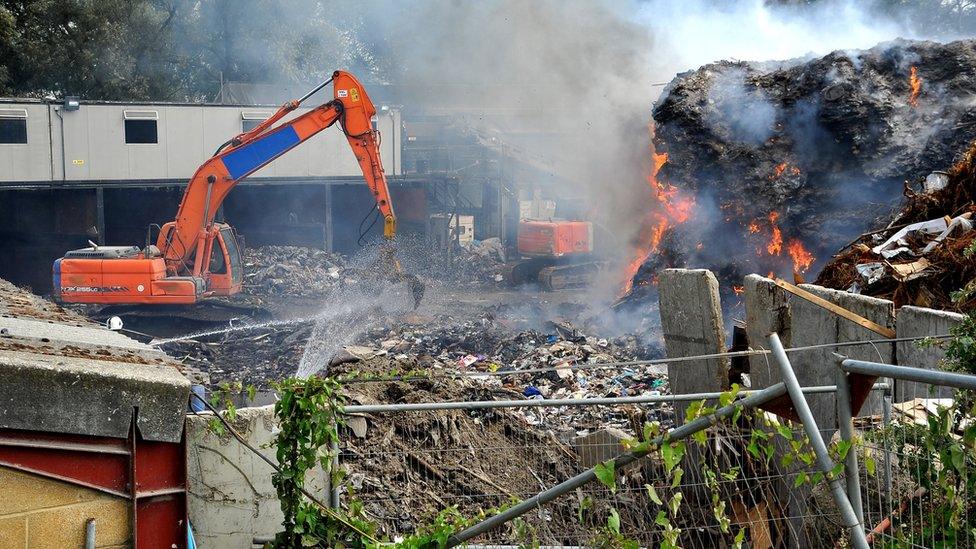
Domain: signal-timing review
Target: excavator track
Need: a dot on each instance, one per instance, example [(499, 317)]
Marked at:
[(561, 277), (555, 274)]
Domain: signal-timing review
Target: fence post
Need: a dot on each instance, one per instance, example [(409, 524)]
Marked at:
[(332, 486), (886, 421), (845, 422), (816, 440)]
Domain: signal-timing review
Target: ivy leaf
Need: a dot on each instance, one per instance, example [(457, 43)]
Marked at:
[(740, 538), (672, 453), (801, 477), (652, 493), (613, 521), (843, 447), (675, 503), (958, 458), (869, 464), (817, 477), (676, 478), (837, 470), (605, 474), (661, 519)]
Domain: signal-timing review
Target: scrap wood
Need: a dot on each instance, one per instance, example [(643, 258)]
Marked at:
[(756, 519), (486, 480), (421, 465), (836, 309)]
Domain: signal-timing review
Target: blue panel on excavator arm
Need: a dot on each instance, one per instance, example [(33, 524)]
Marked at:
[(254, 155)]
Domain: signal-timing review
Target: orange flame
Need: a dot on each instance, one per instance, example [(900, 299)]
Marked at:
[(782, 168), (802, 259), (753, 227), (738, 289), (775, 246), (670, 208), (915, 84)]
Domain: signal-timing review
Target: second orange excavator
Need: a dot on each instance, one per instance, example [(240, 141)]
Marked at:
[(196, 257)]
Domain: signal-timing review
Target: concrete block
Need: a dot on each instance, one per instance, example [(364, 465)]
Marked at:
[(916, 322), (801, 323), (767, 311), (13, 532), (599, 446), (24, 492), (83, 395), (691, 319), (231, 496), (814, 325)]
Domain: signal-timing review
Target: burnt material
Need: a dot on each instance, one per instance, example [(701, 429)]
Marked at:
[(821, 145)]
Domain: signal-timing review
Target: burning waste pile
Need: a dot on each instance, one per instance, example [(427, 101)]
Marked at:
[(783, 162), (926, 254)]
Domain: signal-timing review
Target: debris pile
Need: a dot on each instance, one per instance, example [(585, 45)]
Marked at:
[(480, 261), (557, 363), (925, 253), (291, 270), (784, 159), (474, 460)]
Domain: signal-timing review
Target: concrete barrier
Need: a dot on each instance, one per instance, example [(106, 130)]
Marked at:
[(917, 322), (801, 323), (231, 498), (691, 319)]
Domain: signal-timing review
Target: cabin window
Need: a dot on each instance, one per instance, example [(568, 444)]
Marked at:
[(250, 120), (140, 127), (13, 126)]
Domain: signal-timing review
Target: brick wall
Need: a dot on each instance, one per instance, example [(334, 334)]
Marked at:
[(40, 513)]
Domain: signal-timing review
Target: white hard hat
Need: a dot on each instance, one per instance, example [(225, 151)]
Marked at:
[(114, 323)]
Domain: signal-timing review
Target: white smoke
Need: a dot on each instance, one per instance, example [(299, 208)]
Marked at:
[(692, 33)]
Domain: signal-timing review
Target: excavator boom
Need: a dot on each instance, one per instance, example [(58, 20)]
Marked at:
[(251, 151)]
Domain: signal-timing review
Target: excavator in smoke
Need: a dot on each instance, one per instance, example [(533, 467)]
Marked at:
[(196, 257)]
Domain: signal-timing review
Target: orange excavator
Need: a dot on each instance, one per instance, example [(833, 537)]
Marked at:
[(195, 257)]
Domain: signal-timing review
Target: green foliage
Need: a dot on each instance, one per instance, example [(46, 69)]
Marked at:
[(174, 49), (222, 397), (940, 456), (309, 412), (605, 474)]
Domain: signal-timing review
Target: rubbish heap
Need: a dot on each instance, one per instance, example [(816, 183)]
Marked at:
[(291, 270), (556, 363), (925, 253), (481, 261), (805, 150)]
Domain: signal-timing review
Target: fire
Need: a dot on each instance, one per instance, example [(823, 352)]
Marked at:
[(784, 167), (753, 227), (738, 289), (775, 246), (915, 84), (802, 259), (670, 208)]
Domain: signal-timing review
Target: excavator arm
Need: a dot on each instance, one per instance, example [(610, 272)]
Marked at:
[(182, 245)]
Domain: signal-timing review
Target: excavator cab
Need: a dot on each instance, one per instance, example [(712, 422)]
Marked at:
[(222, 268), (226, 268)]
